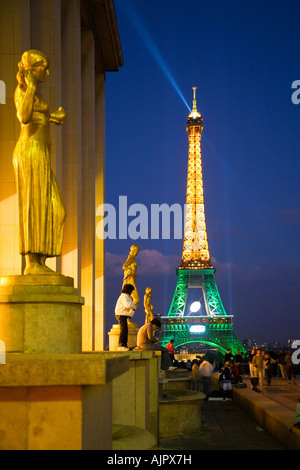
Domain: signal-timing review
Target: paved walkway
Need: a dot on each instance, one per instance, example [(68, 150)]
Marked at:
[(282, 392), (225, 426)]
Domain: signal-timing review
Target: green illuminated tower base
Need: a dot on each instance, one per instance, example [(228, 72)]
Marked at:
[(214, 328)]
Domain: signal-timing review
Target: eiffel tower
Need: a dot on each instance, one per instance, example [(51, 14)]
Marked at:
[(197, 314)]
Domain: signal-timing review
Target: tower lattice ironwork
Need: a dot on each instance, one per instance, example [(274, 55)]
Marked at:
[(210, 324)]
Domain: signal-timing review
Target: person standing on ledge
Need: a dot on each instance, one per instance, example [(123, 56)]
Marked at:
[(41, 208), (124, 309)]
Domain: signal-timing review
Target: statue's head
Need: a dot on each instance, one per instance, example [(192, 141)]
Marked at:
[(33, 60), (134, 249), (148, 291)]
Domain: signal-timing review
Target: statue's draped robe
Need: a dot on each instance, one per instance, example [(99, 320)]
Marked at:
[(41, 207)]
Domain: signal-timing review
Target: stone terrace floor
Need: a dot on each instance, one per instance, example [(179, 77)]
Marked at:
[(225, 426)]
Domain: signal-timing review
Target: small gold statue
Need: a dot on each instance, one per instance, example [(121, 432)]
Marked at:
[(41, 208), (147, 305), (130, 268)]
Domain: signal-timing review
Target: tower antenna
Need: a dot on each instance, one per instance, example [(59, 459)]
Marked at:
[(194, 99)]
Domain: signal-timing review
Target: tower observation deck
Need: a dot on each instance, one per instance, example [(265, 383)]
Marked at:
[(197, 314)]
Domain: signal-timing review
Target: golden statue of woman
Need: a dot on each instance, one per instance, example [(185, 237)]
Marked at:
[(130, 268), (41, 207), (147, 305)]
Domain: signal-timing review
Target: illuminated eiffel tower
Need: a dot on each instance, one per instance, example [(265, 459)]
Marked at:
[(197, 314)]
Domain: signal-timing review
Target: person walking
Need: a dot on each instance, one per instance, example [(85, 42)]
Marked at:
[(195, 381), (251, 367), (268, 362), (238, 360), (290, 368), (206, 369), (258, 364), (281, 363)]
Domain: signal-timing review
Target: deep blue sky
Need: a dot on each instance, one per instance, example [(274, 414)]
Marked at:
[(243, 58)]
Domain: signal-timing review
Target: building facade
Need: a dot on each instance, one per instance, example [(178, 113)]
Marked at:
[(81, 40)]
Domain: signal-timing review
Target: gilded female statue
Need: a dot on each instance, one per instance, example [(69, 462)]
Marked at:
[(147, 305), (130, 268), (41, 207)]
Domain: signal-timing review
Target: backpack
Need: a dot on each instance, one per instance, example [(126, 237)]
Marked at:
[(226, 374)]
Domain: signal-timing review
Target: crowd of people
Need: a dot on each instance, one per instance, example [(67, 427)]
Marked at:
[(264, 364), (258, 363)]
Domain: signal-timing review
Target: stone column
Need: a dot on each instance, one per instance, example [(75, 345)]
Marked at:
[(88, 184), (71, 137)]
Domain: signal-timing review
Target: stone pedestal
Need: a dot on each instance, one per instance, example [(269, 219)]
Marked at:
[(40, 314), (58, 401), (179, 413), (114, 336), (141, 385)]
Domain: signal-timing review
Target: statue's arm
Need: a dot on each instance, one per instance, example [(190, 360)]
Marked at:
[(127, 263), (24, 103), (58, 117)]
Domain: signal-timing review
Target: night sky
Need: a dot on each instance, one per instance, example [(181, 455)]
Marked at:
[(243, 57)]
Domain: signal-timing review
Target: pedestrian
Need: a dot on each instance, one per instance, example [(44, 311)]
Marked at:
[(274, 358), (238, 360), (268, 362), (225, 379), (258, 364), (236, 376), (251, 367), (290, 368), (195, 381), (124, 310), (170, 347), (282, 363), (206, 369), (147, 341)]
